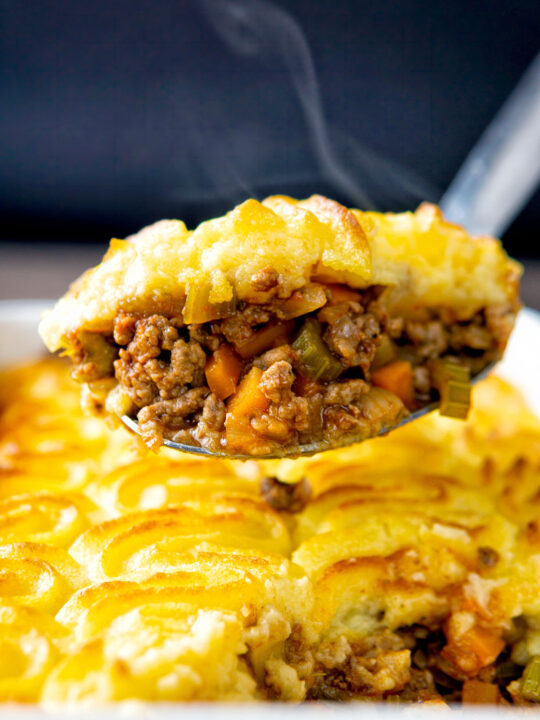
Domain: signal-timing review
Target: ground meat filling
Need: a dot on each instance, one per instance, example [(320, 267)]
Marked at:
[(404, 666), (286, 497), (162, 365), (354, 337)]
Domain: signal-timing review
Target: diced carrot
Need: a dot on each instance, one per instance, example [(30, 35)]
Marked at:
[(249, 398), (303, 301), (248, 401), (264, 339), (398, 378), (475, 649), (222, 371), (486, 644), (342, 293), (475, 692)]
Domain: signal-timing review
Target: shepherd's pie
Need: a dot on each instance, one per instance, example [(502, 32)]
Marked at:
[(285, 323)]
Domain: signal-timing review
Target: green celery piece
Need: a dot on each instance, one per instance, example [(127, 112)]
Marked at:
[(530, 680), (316, 358)]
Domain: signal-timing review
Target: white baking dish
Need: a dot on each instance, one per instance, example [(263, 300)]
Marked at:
[(19, 342)]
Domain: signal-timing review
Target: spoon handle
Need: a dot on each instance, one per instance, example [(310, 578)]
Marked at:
[(503, 168)]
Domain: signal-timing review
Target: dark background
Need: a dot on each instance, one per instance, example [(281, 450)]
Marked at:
[(117, 113)]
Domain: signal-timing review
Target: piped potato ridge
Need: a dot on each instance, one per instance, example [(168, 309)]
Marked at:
[(355, 574)]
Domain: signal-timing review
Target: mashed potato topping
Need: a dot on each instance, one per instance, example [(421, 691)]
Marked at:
[(425, 258), (357, 573)]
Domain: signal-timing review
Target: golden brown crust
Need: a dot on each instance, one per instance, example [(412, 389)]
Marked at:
[(170, 578), (428, 261)]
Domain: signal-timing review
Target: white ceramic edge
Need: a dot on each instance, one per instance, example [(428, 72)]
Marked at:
[(19, 339), (18, 324), (262, 711)]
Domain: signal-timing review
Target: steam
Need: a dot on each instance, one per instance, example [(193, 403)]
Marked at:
[(265, 32)]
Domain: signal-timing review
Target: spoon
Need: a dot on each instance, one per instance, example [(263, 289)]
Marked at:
[(498, 176)]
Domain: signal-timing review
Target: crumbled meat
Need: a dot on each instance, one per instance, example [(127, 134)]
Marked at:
[(420, 688), (376, 667), (314, 420), (204, 336), (471, 336), (364, 416), (283, 418), (294, 411), (488, 556), (268, 426), (500, 321), (422, 381), (167, 417), (152, 335), (428, 338), (174, 413), (282, 353), (210, 426), (277, 380), (290, 497), (186, 367), (276, 383), (299, 654), (264, 280), (124, 328), (142, 369), (345, 393), (341, 421), (131, 374), (354, 339), (239, 327)]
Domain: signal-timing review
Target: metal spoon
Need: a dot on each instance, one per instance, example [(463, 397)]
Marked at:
[(497, 178)]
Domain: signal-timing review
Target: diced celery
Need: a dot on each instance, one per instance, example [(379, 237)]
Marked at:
[(530, 680), (303, 301), (453, 381), (317, 360), (508, 671)]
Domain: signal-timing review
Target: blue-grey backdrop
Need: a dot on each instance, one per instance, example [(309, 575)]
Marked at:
[(115, 113)]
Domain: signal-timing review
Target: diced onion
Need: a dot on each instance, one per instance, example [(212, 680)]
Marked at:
[(198, 309)]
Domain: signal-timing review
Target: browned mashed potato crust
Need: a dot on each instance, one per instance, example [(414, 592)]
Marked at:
[(174, 578)]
